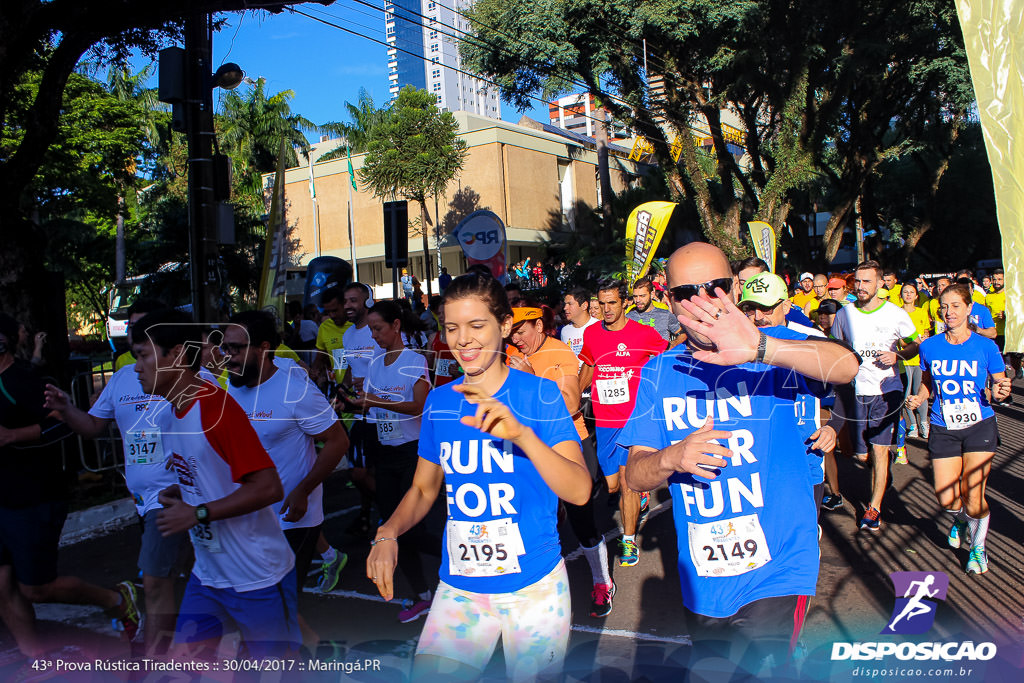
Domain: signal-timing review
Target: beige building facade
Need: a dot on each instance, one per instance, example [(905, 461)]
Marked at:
[(539, 181)]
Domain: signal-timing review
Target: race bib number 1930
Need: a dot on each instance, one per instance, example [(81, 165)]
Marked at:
[(961, 414), (728, 548)]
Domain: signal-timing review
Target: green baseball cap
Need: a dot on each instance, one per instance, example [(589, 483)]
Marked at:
[(764, 289)]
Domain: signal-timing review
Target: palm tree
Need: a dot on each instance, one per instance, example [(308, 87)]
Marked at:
[(251, 128), (128, 87), (363, 116)]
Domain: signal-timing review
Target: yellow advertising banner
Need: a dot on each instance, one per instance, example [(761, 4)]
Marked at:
[(645, 227), (994, 37), (763, 236)]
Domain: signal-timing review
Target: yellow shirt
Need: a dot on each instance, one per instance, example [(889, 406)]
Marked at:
[(801, 298), (126, 359), (933, 313), (922, 323), (996, 302), (329, 340), (978, 296), (283, 351)]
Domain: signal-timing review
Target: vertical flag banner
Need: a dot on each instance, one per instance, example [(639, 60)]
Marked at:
[(645, 227), (994, 38), (275, 259), (481, 235), (763, 236)]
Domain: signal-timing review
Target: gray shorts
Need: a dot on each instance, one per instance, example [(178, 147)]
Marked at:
[(159, 555)]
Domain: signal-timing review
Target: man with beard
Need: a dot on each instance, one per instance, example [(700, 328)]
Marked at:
[(358, 350), (289, 415), (882, 334), (645, 312)]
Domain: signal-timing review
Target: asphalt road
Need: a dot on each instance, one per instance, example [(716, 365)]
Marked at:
[(645, 637)]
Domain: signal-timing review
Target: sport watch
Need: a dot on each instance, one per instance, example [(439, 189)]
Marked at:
[(202, 514)]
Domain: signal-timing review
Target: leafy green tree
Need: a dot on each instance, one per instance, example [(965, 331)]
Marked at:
[(413, 153), (812, 83)]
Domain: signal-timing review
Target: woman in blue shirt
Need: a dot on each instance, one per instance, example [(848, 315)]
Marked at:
[(502, 443), (956, 366)]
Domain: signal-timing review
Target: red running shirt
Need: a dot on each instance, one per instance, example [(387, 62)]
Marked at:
[(617, 358)]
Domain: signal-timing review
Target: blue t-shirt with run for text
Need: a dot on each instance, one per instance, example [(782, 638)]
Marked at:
[(751, 532), (487, 480), (960, 372)]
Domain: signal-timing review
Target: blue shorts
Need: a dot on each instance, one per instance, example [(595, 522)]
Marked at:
[(267, 618), (159, 554), (874, 420), (610, 455)]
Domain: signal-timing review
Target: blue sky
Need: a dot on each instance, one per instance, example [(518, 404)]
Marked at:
[(324, 66)]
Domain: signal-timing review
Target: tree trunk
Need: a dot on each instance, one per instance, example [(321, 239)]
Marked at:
[(426, 246), (603, 175)]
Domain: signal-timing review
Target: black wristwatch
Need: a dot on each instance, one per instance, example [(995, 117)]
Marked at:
[(202, 514), (762, 346)]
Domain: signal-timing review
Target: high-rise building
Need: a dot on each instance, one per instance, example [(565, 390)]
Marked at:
[(423, 51), (580, 113)]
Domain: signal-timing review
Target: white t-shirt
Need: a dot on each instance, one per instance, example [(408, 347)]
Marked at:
[(213, 447), (287, 411), (359, 349), (871, 333), (572, 336), (395, 382), (143, 421)]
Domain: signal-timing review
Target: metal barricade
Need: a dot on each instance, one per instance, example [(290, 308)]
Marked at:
[(106, 451)]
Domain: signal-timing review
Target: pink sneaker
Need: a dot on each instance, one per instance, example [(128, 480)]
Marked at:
[(413, 613)]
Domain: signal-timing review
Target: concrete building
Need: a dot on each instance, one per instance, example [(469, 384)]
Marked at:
[(423, 51), (542, 183)]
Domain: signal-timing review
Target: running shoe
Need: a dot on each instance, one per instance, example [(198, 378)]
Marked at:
[(924, 431), (832, 501), (127, 612), (901, 456), (912, 431), (959, 534), (331, 572), (630, 554), (601, 599), (978, 561), (870, 520), (413, 613), (645, 509)]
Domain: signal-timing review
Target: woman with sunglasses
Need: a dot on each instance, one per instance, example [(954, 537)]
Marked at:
[(956, 365), (504, 447)]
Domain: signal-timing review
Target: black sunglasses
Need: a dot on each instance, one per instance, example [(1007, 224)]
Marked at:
[(687, 292)]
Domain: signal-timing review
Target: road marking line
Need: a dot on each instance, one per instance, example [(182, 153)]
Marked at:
[(581, 628)]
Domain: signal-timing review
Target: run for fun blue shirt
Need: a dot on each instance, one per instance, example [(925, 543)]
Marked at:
[(959, 373), (751, 532), (494, 493), (981, 316)]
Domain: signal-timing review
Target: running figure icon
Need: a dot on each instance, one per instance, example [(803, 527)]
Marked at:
[(915, 607)]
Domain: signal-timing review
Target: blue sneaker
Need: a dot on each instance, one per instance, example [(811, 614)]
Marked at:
[(645, 509), (978, 562), (870, 519), (630, 554), (958, 534)]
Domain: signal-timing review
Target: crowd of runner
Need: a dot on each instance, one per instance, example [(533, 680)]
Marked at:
[(475, 425)]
